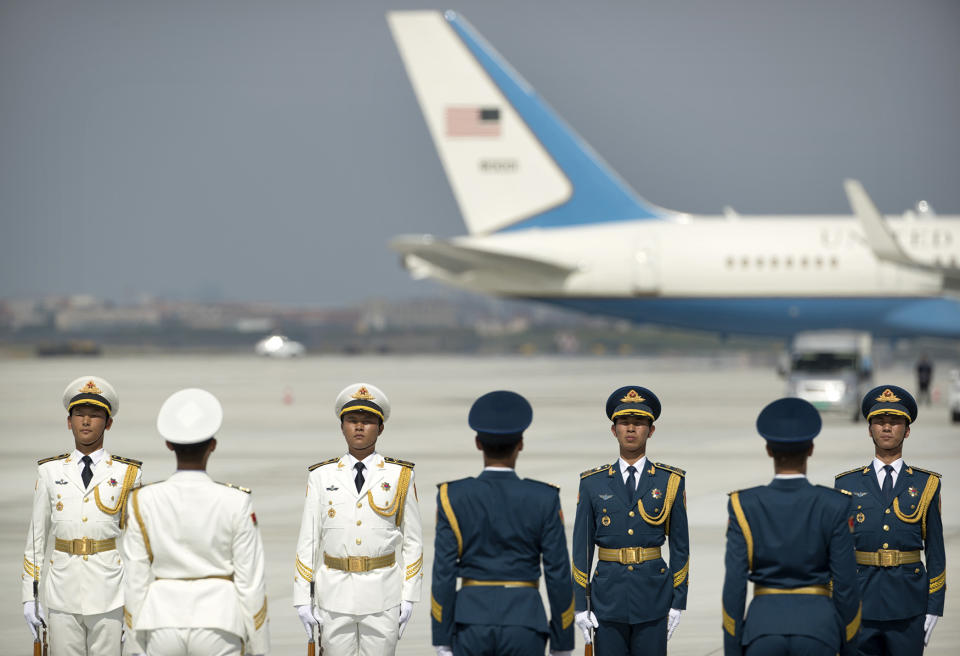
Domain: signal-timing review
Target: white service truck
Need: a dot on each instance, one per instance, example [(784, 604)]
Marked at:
[(830, 369)]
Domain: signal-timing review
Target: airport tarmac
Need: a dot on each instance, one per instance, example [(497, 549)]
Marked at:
[(279, 419)]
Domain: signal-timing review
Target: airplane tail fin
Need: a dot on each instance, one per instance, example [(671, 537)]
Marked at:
[(512, 162)]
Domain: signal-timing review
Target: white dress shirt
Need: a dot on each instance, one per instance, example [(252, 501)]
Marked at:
[(639, 464), (878, 466)]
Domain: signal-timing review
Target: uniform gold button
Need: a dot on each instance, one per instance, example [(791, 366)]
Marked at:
[(359, 504), (886, 528), (885, 545), (331, 503), (663, 569), (629, 531), (887, 511), (84, 557), (359, 522), (358, 540), (86, 500), (604, 510), (631, 513), (859, 507), (58, 496), (84, 519), (630, 567), (916, 571)]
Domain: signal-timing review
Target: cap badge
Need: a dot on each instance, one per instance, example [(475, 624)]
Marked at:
[(632, 397), (385, 486), (363, 394), (913, 491), (861, 517), (331, 513), (90, 388), (888, 397), (605, 520), (656, 493)]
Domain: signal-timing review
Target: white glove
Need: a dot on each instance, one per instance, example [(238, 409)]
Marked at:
[(444, 650), (586, 620), (309, 619), (673, 620), (928, 625), (33, 613), (406, 610)]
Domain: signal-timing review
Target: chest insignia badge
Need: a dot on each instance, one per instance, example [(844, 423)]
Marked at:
[(112, 482), (913, 491), (331, 513), (61, 482), (332, 488), (860, 494), (656, 493), (652, 470), (59, 505), (385, 486), (605, 520), (861, 517), (605, 496)]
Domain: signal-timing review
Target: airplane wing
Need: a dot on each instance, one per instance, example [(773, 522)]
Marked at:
[(883, 242), (458, 260)]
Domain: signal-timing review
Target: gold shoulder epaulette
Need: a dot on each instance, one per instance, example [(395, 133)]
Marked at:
[(321, 464), (595, 470), (926, 471), (669, 468), (237, 487), (59, 457), (533, 480), (127, 461), (397, 461), (855, 469)]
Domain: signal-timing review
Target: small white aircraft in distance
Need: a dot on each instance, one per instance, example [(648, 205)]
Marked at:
[(549, 220)]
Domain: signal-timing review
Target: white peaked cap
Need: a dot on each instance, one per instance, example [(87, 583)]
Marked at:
[(190, 416)]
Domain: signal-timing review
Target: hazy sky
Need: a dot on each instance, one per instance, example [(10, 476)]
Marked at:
[(269, 150)]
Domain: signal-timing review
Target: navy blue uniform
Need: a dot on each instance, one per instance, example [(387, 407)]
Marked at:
[(492, 531), (898, 590), (791, 539), (631, 598)]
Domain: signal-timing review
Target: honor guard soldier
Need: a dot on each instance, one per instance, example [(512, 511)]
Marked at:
[(492, 532), (793, 540), (360, 546), (194, 579), (627, 511), (78, 504), (897, 517)]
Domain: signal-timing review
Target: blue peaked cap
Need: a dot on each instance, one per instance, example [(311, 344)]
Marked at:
[(789, 421), (500, 417)]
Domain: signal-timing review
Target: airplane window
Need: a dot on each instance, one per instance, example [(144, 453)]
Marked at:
[(788, 262), (730, 262), (834, 262), (745, 262), (774, 262), (803, 262), (759, 262)]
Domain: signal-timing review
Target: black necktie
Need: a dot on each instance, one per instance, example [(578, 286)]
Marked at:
[(359, 479), (87, 472), (632, 482), (887, 489)]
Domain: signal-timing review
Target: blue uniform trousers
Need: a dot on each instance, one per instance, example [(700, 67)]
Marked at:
[(497, 640), (621, 639), (892, 637), (788, 645)]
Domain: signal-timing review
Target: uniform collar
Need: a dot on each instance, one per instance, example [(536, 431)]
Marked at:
[(97, 456), (878, 466), (369, 462), (787, 477), (498, 469), (639, 464)]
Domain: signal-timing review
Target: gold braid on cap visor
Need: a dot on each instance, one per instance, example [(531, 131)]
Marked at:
[(361, 408), (890, 411), (632, 411), (102, 404)]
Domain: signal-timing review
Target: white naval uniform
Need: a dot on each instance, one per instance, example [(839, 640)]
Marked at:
[(359, 609), (82, 593), (194, 563)]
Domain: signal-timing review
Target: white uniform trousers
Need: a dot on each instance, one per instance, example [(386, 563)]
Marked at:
[(375, 634), (71, 634), (192, 642)]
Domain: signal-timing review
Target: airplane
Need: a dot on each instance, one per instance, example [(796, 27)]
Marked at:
[(548, 220)]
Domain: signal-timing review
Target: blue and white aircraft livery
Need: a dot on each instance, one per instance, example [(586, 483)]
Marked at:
[(549, 220)]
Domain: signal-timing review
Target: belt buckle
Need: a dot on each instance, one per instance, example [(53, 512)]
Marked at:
[(82, 546), (629, 556), (356, 563), (887, 557)]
